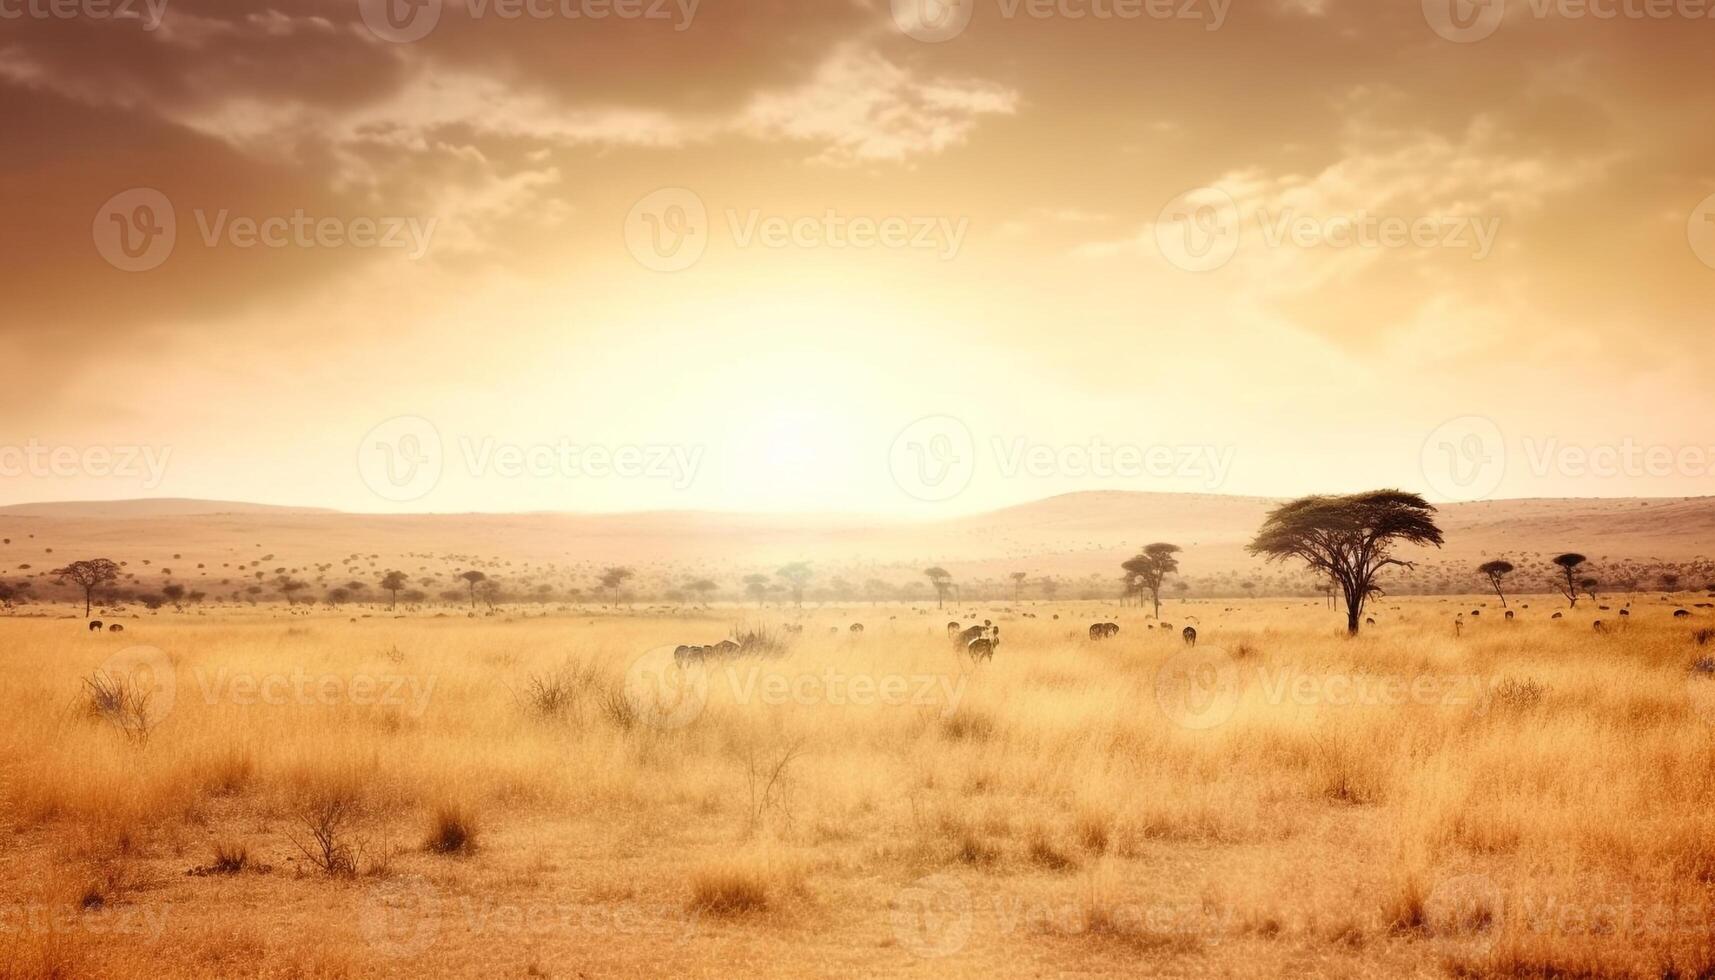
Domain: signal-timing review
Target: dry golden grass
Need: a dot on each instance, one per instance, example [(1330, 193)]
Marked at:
[(1525, 799)]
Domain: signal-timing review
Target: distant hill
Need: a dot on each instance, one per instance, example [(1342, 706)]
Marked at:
[(1079, 539)]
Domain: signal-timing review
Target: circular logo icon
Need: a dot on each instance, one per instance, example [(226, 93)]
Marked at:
[(400, 21), (1463, 914), (933, 459), (136, 689), (1198, 688), (1700, 688), (1464, 21), (668, 231), (932, 916), (933, 21), (400, 917), (401, 459), (664, 694), (135, 231), (1465, 458), (1701, 231), (1198, 231)]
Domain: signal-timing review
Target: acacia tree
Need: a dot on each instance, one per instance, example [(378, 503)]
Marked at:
[(1350, 539), (614, 577), (756, 586), (796, 575), (1496, 571), (471, 578), (1569, 563), (88, 575), (1151, 568), (393, 582), (703, 588), (942, 580), (1018, 584)]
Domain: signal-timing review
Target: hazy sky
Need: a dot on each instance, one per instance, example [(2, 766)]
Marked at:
[(617, 254)]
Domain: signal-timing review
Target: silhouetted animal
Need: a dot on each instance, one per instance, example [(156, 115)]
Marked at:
[(1190, 636), (116, 628), (1681, 614), (1558, 616), (95, 626), (857, 627), (953, 629), (1601, 627), (983, 647), (974, 633), (1509, 615), (1101, 631)]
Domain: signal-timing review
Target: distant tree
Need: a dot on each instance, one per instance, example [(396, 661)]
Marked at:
[(796, 575), (703, 588), (1150, 569), (1569, 563), (175, 594), (415, 597), (1350, 539), (1589, 585), (613, 577), (1670, 581), (392, 583), (942, 580), (338, 596), (756, 586), (472, 578), (489, 591), (1496, 571), (1050, 588), (544, 593), (12, 593), (290, 587), (88, 575), (1018, 584), (875, 590)]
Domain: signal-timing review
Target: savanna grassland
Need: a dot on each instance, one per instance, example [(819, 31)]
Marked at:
[(320, 795)]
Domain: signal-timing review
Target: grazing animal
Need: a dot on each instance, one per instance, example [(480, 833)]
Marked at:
[(1558, 616), (794, 627), (1626, 612), (983, 647), (1368, 621), (1190, 636), (1601, 627), (1101, 631), (1167, 626), (1509, 615), (953, 629), (1681, 614), (95, 626), (974, 633), (116, 628), (726, 648), (857, 627)]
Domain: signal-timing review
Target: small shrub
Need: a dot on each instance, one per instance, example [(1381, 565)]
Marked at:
[(1703, 637), (452, 831), (323, 826), (617, 708), (230, 857)]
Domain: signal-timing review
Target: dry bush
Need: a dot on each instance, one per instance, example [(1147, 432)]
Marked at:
[(322, 834), (754, 880), (123, 702), (452, 830)]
